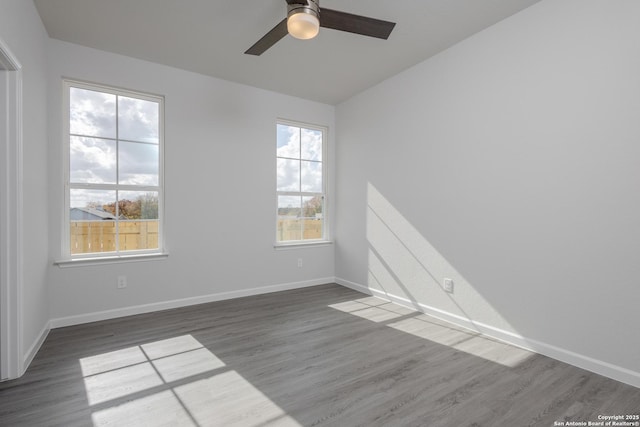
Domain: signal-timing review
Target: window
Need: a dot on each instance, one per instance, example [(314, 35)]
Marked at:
[(301, 183), (114, 171)]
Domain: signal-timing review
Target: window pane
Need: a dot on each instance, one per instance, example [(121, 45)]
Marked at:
[(92, 224), (289, 206), (312, 217), (138, 120), (312, 207), (138, 163), (92, 113), (311, 177), (288, 175), (138, 204), (288, 141), (92, 160), (139, 220), (92, 199), (311, 144), (289, 222)]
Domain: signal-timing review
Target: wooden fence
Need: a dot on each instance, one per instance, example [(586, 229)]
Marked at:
[(100, 236), (293, 229)]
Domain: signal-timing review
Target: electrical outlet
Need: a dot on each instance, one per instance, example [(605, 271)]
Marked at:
[(299, 262), (447, 285), (122, 282)]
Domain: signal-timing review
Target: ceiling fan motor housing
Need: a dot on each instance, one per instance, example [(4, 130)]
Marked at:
[(303, 20), (311, 7)]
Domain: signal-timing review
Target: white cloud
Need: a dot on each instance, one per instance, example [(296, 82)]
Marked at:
[(138, 120), (80, 198), (92, 113), (92, 160), (288, 140), (311, 176), (289, 202), (311, 142), (288, 175), (138, 163), (304, 144)]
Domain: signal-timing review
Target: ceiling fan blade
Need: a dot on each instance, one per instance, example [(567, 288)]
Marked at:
[(356, 24), (269, 39)]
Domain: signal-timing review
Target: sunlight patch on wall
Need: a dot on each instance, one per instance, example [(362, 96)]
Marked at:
[(404, 265)]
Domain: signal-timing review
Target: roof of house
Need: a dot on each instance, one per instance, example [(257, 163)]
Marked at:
[(97, 212)]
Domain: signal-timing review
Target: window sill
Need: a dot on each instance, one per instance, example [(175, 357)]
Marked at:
[(118, 259), (298, 245)]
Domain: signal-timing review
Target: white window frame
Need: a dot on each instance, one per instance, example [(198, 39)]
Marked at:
[(325, 239), (69, 259)]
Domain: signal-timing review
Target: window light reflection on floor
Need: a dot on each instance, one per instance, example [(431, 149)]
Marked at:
[(429, 328), (173, 382), (164, 406)]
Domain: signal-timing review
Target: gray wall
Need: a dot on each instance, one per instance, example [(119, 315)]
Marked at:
[(509, 163), (23, 32), (219, 194)]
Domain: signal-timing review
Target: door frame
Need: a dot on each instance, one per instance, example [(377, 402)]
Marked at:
[(11, 227)]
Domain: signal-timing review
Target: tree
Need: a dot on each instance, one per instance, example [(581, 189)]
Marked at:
[(144, 207), (127, 209), (312, 207), (149, 206), (93, 205)]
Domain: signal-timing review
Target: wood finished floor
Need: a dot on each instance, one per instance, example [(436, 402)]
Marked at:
[(319, 356)]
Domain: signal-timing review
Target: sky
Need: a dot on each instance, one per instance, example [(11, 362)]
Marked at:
[(97, 157), (114, 139), (299, 161)]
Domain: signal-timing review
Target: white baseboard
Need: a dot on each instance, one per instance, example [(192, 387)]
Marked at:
[(35, 346), (183, 302), (600, 367)]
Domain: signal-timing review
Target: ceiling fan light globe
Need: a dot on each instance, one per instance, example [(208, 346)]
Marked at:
[(303, 26)]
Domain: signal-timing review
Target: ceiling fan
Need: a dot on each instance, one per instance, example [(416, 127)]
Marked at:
[(304, 19)]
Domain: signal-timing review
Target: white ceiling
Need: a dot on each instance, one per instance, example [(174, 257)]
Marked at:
[(210, 37)]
